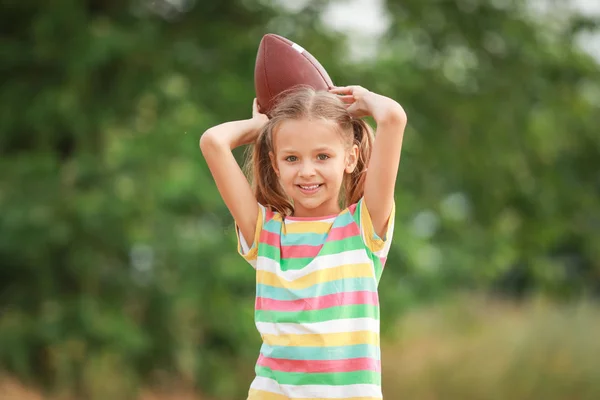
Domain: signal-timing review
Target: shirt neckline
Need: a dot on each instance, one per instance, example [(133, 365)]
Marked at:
[(313, 219)]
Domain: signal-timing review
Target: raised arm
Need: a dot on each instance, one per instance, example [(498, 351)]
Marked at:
[(385, 157), (216, 145)]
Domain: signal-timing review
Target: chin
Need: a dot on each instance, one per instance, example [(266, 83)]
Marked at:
[(309, 205), (316, 207)]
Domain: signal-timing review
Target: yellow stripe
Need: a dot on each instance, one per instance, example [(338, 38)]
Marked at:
[(255, 394), (323, 340), (253, 252), (309, 227), (374, 242), (363, 270)]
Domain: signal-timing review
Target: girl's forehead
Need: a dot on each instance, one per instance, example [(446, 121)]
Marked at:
[(307, 134)]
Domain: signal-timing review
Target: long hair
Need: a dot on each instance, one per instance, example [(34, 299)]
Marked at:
[(300, 103)]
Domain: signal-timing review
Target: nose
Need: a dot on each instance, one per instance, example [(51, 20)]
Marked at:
[(306, 169)]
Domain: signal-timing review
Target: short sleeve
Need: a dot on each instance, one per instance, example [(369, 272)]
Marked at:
[(379, 246), (250, 251)]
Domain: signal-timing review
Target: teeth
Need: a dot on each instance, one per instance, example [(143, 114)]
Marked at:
[(309, 187)]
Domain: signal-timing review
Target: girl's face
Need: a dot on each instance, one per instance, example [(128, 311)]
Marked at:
[(310, 158)]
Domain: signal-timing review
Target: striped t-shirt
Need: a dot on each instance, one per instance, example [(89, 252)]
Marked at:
[(317, 307)]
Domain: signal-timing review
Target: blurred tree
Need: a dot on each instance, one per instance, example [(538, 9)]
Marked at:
[(499, 173), (117, 255)]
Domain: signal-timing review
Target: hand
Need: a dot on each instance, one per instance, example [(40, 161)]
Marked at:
[(361, 102), (251, 129), (355, 98), (259, 117)]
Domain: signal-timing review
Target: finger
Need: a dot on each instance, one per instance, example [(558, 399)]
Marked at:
[(255, 107), (355, 111), (347, 98), (341, 90)]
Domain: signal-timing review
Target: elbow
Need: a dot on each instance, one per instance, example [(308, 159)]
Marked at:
[(206, 141), (394, 116), (212, 144)]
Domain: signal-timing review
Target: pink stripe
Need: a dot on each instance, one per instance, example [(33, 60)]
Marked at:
[(269, 214), (299, 251), (343, 232), (269, 238), (316, 366), (383, 260), (317, 303), (352, 208)]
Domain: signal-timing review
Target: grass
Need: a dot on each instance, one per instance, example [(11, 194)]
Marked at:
[(471, 348), (477, 349)]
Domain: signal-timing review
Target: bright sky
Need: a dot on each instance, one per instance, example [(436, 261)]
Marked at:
[(590, 42), (364, 20), (366, 17)]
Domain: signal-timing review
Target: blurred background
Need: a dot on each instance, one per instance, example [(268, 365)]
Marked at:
[(118, 272)]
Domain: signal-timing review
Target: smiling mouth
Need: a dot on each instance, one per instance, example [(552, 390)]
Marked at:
[(310, 187)]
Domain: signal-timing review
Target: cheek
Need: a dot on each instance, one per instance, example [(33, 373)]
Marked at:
[(338, 171), (286, 172)]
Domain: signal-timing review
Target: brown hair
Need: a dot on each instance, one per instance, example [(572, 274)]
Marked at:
[(300, 103)]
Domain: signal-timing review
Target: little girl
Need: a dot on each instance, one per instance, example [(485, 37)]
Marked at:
[(316, 223)]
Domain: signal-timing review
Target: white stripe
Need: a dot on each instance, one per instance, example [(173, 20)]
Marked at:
[(266, 384), (294, 221), (321, 262), (243, 243), (388, 236), (298, 48), (317, 391), (360, 224), (336, 326)]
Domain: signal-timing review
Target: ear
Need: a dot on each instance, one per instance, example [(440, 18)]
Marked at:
[(274, 163), (351, 159)]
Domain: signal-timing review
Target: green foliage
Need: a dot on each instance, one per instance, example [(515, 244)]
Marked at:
[(117, 253), (475, 348)]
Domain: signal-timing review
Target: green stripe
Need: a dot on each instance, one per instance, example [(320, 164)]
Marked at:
[(326, 314), (276, 227), (268, 251), (343, 220), (377, 267), (333, 247), (320, 353), (313, 239), (333, 378), (346, 244), (319, 289), (289, 264), (272, 226), (356, 216)]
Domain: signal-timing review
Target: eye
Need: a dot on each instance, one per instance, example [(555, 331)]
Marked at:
[(291, 158), (322, 157)]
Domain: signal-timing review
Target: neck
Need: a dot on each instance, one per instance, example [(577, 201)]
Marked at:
[(323, 210)]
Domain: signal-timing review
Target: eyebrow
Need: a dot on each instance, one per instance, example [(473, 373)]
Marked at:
[(324, 149), (317, 150)]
